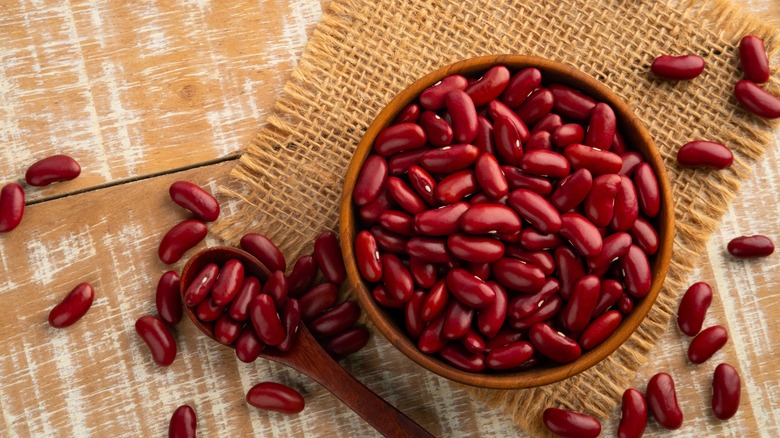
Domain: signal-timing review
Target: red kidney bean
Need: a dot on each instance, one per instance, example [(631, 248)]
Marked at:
[(751, 246), (201, 285), (277, 287), (726, 387), (545, 163), (303, 274), (625, 304), (626, 208), (399, 163), (347, 342), (168, 298), (371, 180), (647, 192), (56, 168), (611, 292), (618, 144), (228, 282), (367, 257), (11, 206), (405, 196), (457, 320), (541, 259), (396, 277), (548, 123), (707, 343), (630, 161), (509, 356), (399, 138), (207, 311), (570, 269), (572, 190), (567, 134), (195, 199), (693, 308), (427, 248), (583, 235), (571, 424), (457, 355), (226, 329), (517, 179), (424, 274), (248, 345), (525, 305), (536, 106), (540, 141), (644, 236), (436, 301), (636, 269), (441, 221), (370, 212), (508, 141), (600, 203), (455, 187), (602, 127), (491, 319), (422, 182), (509, 237), (533, 240), (412, 309), (432, 98), (504, 337), (553, 344), (265, 320), (615, 246), (469, 289), (481, 270), (756, 100), (517, 275), (382, 297), (489, 86), (678, 67), (474, 248), (182, 237), (702, 153), (264, 250), (317, 300), (327, 253), (520, 86), (473, 342), (158, 338), (752, 56), (571, 103), (431, 340), (183, 423), (662, 401), (600, 329), (272, 396), (633, 419), (497, 109), (536, 210), (485, 140), (239, 307), (584, 297), (549, 309), (410, 114), (490, 177), (437, 130), (449, 158), (597, 161), (290, 316), (74, 306), (461, 109)]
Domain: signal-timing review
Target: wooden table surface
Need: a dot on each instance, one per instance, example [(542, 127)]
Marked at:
[(147, 94)]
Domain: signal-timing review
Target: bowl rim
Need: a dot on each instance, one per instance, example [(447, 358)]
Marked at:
[(553, 71)]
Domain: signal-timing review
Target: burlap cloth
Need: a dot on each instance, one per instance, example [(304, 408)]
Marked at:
[(365, 51)]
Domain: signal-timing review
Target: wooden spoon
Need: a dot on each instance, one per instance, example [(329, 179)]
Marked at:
[(307, 356)]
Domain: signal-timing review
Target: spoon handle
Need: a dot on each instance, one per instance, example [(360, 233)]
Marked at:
[(311, 359)]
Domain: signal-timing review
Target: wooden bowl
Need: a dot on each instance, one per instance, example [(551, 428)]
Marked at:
[(635, 135)]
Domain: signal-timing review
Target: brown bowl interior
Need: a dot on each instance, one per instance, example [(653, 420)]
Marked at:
[(635, 135)]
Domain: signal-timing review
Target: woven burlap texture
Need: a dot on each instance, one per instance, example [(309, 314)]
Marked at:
[(366, 51)]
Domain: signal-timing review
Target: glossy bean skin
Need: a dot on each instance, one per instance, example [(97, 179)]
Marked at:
[(497, 109), (432, 98), (457, 355), (183, 423), (548, 123), (461, 109), (693, 308), (302, 275), (201, 285), (584, 297), (457, 320), (396, 277), (541, 259), (405, 196), (272, 396), (317, 300), (570, 268), (370, 212), (701, 153), (347, 342), (382, 297), (647, 191), (756, 100), (412, 309), (598, 162), (583, 235), (636, 268), (678, 67), (239, 307), (248, 345), (410, 114), (626, 208), (625, 304), (611, 292), (567, 134), (536, 106), (485, 141), (520, 86), (367, 256), (547, 311), (572, 190), (424, 274), (536, 210), (572, 103), (449, 158), (490, 176), (533, 240), (455, 187), (726, 387), (644, 236), (662, 401), (489, 218), (524, 305), (618, 144), (431, 340), (195, 199), (707, 343), (168, 298), (571, 424), (441, 221), (509, 356), (207, 311), (492, 83), (277, 287), (75, 305), (630, 161), (553, 344), (600, 202), (752, 56), (751, 246), (290, 315), (399, 163), (615, 246), (11, 206), (491, 319), (264, 250), (182, 237), (508, 141), (517, 179), (229, 281), (600, 329), (436, 301), (633, 419), (399, 138), (431, 249), (371, 180), (158, 338), (56, 168), (469, 289), (539, 141), (602, 127), (226, 329), (517, 275), (437, 130), (473, 342), (327, 253), (545, 163), (475, 249), (265, 320)]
